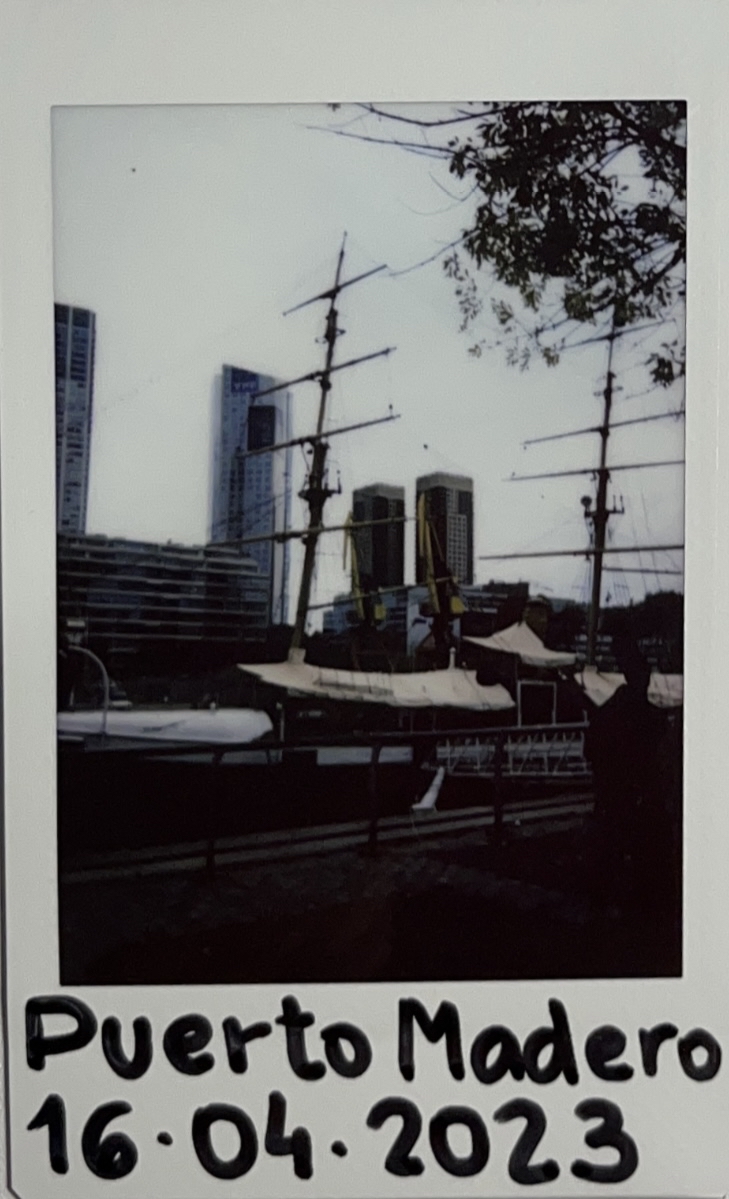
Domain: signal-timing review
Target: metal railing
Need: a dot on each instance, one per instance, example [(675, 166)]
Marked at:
[(542, 751)]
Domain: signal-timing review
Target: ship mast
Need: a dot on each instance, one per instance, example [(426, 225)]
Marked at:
[(601, 513), (315, 491)]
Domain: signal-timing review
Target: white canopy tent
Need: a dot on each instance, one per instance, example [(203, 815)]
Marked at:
[(664, 690), (523, 643), (450, 688)]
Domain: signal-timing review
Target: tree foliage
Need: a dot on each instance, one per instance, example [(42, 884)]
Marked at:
[(577, 216)]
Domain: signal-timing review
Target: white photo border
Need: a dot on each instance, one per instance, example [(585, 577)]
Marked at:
[(83, 52)]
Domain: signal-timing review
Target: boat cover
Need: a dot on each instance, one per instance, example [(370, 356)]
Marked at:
[(222, 726), (450, 688), (664, 690), (522, 641)]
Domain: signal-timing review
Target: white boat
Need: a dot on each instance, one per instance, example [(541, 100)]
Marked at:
[(220, 726)]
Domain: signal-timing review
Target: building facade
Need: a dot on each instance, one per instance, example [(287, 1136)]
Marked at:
[(252, 491), (380, 548), (161, 606), (406, 617), (75, 338), (490, 606), (449, 512), (407, 612)]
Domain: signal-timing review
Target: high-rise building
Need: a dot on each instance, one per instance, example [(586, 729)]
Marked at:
[(381, 547), (252, 492), (75, 335), (140, 602), (449, 511)]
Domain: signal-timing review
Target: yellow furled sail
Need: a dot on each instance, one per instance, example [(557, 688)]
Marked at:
[(425, 548), (350, 546)]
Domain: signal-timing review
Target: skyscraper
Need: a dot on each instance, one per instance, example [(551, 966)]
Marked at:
[(252, 492), (380, 548), (75, 336), (449, 510)]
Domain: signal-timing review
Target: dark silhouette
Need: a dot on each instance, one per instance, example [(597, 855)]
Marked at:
[(623, 746)]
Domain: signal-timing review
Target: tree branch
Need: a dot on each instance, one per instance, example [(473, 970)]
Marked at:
[(411, 147), (460, 118)]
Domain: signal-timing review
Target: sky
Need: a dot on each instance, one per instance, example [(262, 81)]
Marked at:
[(190, 230)]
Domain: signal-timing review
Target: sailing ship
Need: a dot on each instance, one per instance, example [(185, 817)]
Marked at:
[(517, 667), (508, 679), (322, 744), (451, 688)]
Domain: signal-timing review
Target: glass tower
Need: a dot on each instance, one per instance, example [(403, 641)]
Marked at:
[(381, 546), (75, 335), (252, 492), (449, 510)]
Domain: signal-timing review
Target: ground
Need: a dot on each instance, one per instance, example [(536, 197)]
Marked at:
[(436, 908)]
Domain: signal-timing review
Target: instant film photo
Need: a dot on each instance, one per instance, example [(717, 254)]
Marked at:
[(365, 636)]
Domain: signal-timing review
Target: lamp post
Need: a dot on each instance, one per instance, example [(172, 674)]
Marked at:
[(80, 649)]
